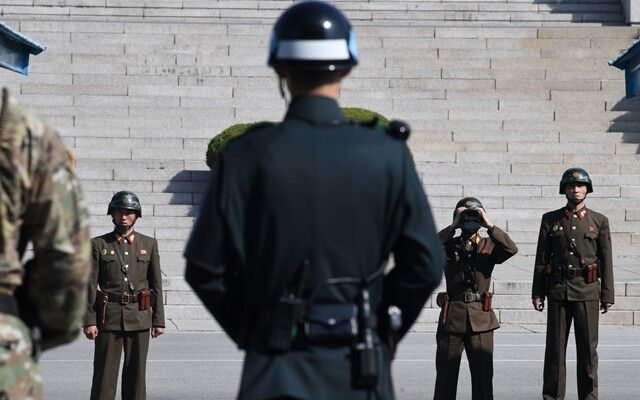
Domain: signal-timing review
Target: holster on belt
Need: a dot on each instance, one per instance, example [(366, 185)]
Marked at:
[(487, 298), (102, 298), (144, 299), (591, 272), (442, 300)]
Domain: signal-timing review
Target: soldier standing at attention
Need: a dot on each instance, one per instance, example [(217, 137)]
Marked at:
[(467, 320), (125, 302), (574, 270), (42, 301), (289, 249)]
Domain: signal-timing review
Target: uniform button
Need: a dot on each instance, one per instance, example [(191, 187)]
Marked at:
[(125, 279), (468, 255), (571, 253), (573, 227), (561, 228), (573, 240), (570, 266), (126, 253)]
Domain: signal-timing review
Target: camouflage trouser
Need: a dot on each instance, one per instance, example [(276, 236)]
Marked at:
[(19, 372)]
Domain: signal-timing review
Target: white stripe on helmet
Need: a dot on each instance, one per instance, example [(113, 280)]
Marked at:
[(335, 49)]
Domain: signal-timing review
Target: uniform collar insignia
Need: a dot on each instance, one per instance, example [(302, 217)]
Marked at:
[(129, 239), (580, 214)]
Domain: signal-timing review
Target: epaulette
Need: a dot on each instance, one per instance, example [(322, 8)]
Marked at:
[(396, 128)]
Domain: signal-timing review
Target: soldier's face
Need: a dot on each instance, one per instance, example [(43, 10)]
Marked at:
[(576, 192), (123, 216)]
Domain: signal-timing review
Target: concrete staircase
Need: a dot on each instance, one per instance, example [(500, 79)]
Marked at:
[(502, 98)]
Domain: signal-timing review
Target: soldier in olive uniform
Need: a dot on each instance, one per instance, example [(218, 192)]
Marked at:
[(467, 320), (574, 271), (125, 302), (40, 202), (297, 224)]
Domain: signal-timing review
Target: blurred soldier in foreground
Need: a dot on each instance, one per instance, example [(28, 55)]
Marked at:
[(289, 250), (124, 302), (41, 302), (467, 320), (574, 271)]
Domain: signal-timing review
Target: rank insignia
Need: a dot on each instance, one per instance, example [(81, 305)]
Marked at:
[(103, 252)]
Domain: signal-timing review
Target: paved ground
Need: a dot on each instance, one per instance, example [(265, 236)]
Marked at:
[(206, 365)]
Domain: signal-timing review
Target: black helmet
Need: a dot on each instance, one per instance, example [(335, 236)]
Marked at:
[(470, 202), (575, 175), (313, 35), (126, 200)]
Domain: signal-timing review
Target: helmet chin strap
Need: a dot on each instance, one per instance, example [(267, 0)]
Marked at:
[(574, 201), (122, 229)]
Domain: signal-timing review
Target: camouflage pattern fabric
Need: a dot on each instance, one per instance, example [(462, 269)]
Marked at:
[(41, 202), (19, 373)]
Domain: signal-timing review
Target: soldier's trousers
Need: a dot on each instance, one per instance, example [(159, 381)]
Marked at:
[(106, 363), (560, 314), (479, 349)]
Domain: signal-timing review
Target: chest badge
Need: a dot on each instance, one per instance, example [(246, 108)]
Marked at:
[(143, 252), (103, 252), (554, 228)]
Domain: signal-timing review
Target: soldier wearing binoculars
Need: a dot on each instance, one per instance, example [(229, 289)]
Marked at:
[(467, 320)]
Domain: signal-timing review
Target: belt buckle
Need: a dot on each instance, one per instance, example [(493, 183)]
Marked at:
[(468, 297), (124, 299), (571, 272)]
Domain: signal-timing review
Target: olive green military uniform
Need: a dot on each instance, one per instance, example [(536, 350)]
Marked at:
[(124, 326), (338, 195), (40, 201), (570, 297), (466, 325)]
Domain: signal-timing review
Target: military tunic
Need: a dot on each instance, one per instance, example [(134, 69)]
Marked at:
[(467, 326), (571, 297), (124, 325), (40, 201), (320, 189)]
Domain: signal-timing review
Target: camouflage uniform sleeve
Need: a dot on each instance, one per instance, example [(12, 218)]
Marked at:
[(56, 221)]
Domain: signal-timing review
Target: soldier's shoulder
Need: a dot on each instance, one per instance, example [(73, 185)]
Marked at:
[(597, 215), (396, 129), (554, 214), (145, 238), (101, 239)]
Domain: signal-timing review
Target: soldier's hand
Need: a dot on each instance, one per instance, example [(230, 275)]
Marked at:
[(156, 331), (91, 332), (538, 304), (485, 222), (605, 307), (456, 217)]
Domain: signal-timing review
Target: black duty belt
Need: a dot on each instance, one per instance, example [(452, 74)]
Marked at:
[(8, 305), (123, 298), (569, 273), (467, 297)]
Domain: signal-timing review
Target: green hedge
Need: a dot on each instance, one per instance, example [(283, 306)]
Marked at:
[(355, 115)]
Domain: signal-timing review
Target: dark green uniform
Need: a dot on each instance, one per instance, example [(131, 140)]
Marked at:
[(314, 188), (125, 326), (570, 297), (466, 325)]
